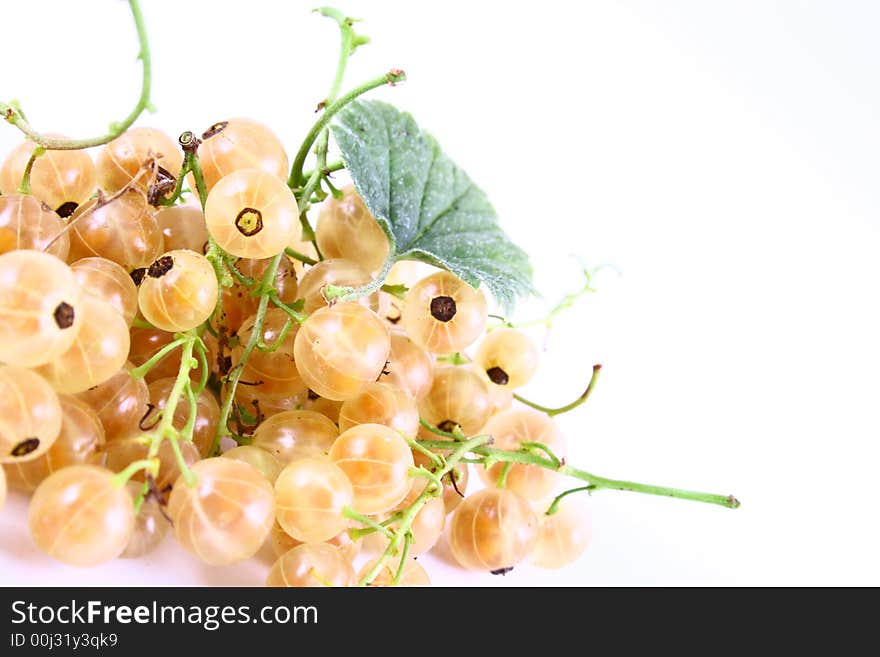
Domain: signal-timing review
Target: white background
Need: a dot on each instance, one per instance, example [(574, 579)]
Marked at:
[(723, 156)]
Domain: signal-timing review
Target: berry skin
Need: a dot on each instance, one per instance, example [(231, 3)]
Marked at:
[(179, 291), (126, 156), (443, 314), (227, 515), (381, 403), (510, 429), (30, 415), (120, 402), (259, 458), (240, 143), (40, 314), (27, 223), (122, 229), (252, 214), (342, 273), (62, 180), (98, 352), (292, 435), (458, 397), (346, 229), (150, 526), (80, 517), (340, 349), (183, 227), (508, 357), (106, 281), (409, 367), (563, 537), (377, 460), (311, 496), (80, 441), (492, 529), (312, 564), (283, 542)]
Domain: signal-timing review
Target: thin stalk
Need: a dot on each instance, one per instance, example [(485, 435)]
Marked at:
[(332, 167), (489, 456), (25, 185), (141, 371), (256, 335), (407, 541), (296, 255), (585, 395), (295, 179), (408, 515), (16, 117)]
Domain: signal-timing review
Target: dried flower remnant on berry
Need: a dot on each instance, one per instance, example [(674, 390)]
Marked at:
[(443, 308), (161, 267), (64, 315)]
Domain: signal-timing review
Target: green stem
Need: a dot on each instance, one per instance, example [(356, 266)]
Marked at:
[(16, 118), (296, 171), (568, 407), (256, 335), (279, 339), (187, 432), (25, 185), (122, 477), (300, 256), (554, 506), (166, 424), (141, 371), (338, 165), (404, 556), (298, 316), (435, 458), (490, 456), (408, 515), (567, 302), (189, 476), (351, 514), (205, 369), (344, 294)]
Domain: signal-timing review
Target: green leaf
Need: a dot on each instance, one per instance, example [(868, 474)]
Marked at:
[(428, 206)]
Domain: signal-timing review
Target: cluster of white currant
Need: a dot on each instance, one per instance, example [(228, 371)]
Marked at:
[(128, 361)]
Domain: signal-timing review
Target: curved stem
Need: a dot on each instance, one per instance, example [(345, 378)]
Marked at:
[(351, 514), (343, 294), (298, 316), (568, 407), (554, 506), (16, 117), (404, 556), (25, 186), (166, 425), (141, 371), (122, 477), (296, 176), (338, 165), (296, 255)]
